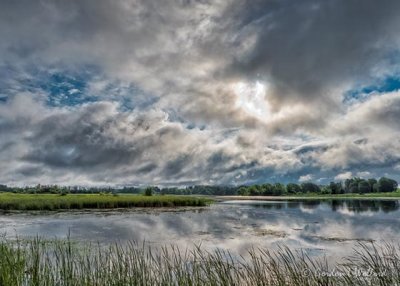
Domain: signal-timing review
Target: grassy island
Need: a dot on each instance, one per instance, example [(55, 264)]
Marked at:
[(10, 201)]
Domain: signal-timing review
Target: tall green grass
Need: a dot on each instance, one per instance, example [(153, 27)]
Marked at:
[(10, 201), (64, 263)]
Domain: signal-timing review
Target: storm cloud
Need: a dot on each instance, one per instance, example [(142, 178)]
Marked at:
[(197, 92)]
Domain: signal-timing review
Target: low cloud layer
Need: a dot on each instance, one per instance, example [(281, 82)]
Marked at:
[(197, 92)]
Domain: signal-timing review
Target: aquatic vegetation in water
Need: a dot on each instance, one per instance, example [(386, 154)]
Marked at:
[(341, 239), (271, 232)]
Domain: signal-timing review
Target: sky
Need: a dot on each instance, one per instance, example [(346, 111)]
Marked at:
[(177, 93)]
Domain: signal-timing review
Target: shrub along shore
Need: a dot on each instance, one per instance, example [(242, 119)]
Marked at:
[(10, 201), (38, 262)]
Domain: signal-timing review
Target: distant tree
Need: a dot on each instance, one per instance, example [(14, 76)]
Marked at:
[(309, 187), (254, 191), (347, 183), (336, 188), (4, 188), (353, 188), (371, 183), (243, 191), (148, 191), (267, 189), (292, 188), (326, 190), (364, 187), (387, 185), (279, 189)]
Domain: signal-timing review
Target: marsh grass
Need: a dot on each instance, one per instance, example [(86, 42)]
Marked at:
[(59, 262), (9, 201)]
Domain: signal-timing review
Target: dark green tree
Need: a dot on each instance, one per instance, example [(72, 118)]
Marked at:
[(336, 188), (254, 191), (243, 191), (148, 191), (326, 190), (292, 188), (279, 189), (309, 187), (364, 187), (371, 183), (387, 185), (353, 188), (267, 189), (347, 183)]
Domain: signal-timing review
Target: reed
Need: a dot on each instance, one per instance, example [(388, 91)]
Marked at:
[(9, 201), (62, 262)]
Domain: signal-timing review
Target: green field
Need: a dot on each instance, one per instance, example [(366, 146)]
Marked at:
[(10, 201)]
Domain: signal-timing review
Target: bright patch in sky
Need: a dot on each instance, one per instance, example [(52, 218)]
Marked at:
[(251, 97)]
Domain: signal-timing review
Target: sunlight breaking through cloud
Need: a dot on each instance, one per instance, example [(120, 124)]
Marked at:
[(228, 92)]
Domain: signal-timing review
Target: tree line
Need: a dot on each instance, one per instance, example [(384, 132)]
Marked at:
[(55, 189), (354, 185)]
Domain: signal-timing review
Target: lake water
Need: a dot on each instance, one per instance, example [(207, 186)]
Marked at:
[(330, 228)]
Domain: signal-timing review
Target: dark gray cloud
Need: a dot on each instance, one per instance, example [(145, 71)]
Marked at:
[(97, 142), (306, 48), (219, 92)]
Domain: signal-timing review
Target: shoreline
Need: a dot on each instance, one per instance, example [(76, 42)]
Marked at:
[(294, 198)]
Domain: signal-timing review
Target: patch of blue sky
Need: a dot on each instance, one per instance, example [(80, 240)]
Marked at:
[(63, 87), (389, 84), (65, 90), (59, 86)]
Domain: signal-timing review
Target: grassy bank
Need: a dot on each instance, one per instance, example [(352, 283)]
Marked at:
[(10, 201), (64, 263)]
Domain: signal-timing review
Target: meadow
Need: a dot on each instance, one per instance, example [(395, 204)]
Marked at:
[(62, 262), (11, 201)]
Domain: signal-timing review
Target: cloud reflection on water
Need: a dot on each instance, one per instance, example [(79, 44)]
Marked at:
[(320, 227)]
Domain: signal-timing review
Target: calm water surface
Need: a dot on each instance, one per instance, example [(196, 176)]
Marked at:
[(330, 228)]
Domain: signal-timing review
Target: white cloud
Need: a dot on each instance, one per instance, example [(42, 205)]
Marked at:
[(364, 174), (73, 91), (343, 176), (219, 91), (306, 178)]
